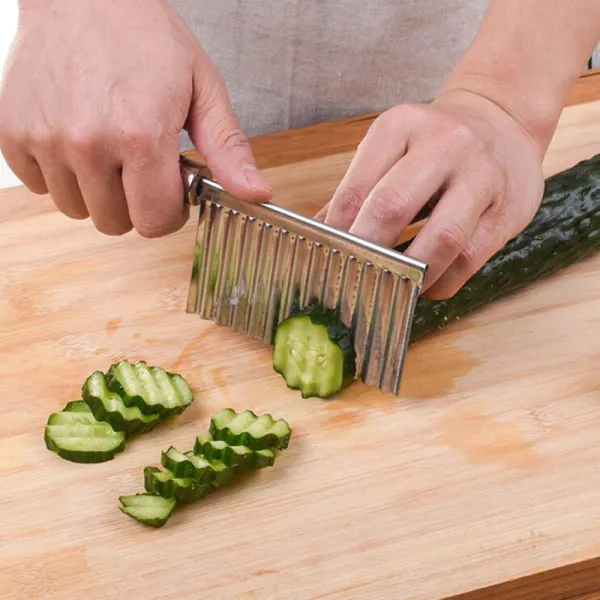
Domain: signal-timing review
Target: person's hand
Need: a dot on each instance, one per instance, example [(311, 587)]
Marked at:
[(483, 170), (94, 96)]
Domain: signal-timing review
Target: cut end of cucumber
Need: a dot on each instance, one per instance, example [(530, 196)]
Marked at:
[(314, 353), (148, 509)]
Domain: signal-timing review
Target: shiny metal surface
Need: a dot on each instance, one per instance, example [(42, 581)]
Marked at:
[(255, 262)]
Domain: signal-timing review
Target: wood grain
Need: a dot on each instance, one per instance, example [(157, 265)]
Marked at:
[(480, 482)]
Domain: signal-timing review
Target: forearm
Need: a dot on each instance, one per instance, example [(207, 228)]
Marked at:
[(527, 56)]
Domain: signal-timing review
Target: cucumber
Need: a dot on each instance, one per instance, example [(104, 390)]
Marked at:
[(314, 352), (198, 468), (565, 229), (75, 435), (151, 389), (248, 429), (165, 484), (109, 407), (148, 509), (234, 456)]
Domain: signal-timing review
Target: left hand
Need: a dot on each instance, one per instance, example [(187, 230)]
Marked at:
[(481, 164)]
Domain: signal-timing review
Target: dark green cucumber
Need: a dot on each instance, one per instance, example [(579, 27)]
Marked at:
[(75, 435), (234, 456), (314, 352), (198, 468), (109, 407), (148, 509), (165, 484), (151, 389), (565, 230), (248, 429)]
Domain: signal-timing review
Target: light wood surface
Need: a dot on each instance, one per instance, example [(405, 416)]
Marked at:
[(480, 482)]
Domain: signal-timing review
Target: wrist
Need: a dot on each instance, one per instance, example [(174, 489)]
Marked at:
[(536, 114)]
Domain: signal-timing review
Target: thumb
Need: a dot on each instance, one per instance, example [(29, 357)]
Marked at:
[(217, 134)]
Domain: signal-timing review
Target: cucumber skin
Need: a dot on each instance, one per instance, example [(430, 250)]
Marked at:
[(84, 457), (170, 488), (565, 230), (337, 332), (115, 386), (115, 419), (252, 460)]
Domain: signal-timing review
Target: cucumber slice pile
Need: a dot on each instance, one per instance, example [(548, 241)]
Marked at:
[(314, 352), (130, 399), (186, 477), (147, 508), (75, 435)]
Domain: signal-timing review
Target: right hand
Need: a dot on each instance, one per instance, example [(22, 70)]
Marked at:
[(93, 99)]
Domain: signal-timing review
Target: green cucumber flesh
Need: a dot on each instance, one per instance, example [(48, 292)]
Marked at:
[(565, 230), (77, 436), (234, 456), (248, 429), (196, 467), (151, 389), (108, 406), (148, 509), (165, 484), (314, 352)]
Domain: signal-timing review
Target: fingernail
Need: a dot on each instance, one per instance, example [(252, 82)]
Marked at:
[(255, 179)]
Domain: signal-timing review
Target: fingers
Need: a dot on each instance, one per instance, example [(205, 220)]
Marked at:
[(400, 194), (487, 239), (23, 165), (154, 190), (322, 214), (216, 132), (63, 187), (384, 144), (454, 219)]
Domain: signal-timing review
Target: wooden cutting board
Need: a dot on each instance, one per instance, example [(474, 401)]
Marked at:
[(483, 474)]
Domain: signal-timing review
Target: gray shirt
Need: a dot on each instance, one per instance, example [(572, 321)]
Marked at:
[(289, 63)]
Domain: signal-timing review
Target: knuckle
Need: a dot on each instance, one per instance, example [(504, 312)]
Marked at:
[(156, 226), (229, 136), (81, 141), (451, 239), (350, 199), (389, 205), (138, 141)]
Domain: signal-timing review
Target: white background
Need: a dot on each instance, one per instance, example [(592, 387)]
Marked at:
[(8, 26)]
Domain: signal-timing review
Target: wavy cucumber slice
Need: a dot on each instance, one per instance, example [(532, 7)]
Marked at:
[(198, 468), (75, 435), (109, 407), (248, 429), (234, 456), (165, 484), (148, 509), (151, 389), (314, 352)]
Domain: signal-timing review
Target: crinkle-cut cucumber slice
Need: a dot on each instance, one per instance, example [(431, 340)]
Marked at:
[(314, 352), (234, 456), (153, 390), (108, 406), (75, 435), (148, 509), (248, 429)]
